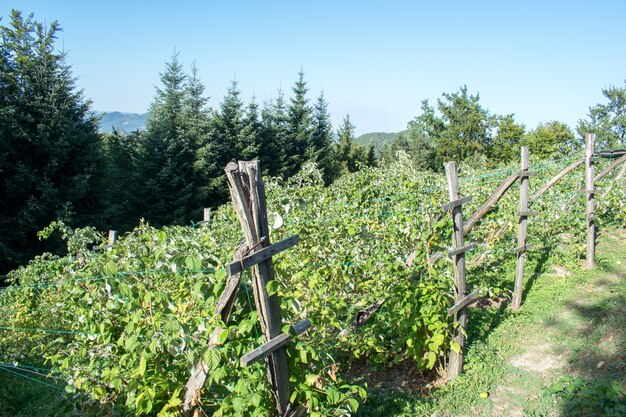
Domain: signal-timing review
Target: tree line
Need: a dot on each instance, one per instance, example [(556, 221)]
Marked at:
[(55, 165), (459, 128)]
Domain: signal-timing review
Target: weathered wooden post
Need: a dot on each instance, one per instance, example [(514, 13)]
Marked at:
[(248, 195), (523, 214), (206, 215), (591, 205), (112, 239), (457, 253)]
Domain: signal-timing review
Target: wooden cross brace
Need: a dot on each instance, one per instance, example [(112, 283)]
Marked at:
[(261, 255), (267, 348), (455, 203), (463, 302), (454, 252)]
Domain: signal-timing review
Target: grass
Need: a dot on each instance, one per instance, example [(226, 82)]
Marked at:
[(562, 354)]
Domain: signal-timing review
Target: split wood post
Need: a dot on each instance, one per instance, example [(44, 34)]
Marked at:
[(206, 215), (248, 195), (521, 231), (455, 363), (591, 205), (112, 239)]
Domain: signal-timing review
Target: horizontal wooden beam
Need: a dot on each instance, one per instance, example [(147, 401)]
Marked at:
[(267, 348), (463, 302), (527, 173), (261, 255), (462, 249), (456, 203)]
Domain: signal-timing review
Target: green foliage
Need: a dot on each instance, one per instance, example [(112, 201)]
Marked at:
[(299, 128), (136, 318), (322, 150), (551, 140), (583, 398), (167, 188), (506, 142), (49, 146), (460, 130), (349, 155), (607, 121)]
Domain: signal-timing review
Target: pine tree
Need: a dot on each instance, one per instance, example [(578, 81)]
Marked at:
[(350, 155), (321, 149), (299, 128), (168, 153), (196, 126), (273, 136), (120, 206), (250, 135), (49, 145)]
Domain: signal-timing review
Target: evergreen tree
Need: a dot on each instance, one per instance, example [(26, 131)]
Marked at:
[(350, 155), (321, 145), (273, 136), (299, 128), (250, 135), (168, 153), (120, 207), (49, 145), (196, 127)]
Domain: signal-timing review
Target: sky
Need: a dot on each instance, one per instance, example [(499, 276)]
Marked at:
[(374, 60)]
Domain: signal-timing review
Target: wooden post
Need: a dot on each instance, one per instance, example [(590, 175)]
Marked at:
[(455, 363), (112, 239), (591, 205), (206, 215), (248, 195), (521, 231)]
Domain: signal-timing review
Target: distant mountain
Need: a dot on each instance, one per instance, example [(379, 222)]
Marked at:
[(377, 139), (127, 122)]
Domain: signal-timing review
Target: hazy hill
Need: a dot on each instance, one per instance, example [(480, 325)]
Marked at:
[(126, 122), (378, 139)]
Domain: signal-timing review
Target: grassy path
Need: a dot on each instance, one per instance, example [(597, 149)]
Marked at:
[(562, 354)]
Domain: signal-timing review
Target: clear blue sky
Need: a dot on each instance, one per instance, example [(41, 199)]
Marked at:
[(541, 60)]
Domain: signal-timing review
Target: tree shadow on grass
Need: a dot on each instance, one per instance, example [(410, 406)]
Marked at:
[(595, 380)]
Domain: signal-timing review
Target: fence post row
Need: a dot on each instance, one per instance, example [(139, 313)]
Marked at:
[(591, 205), (457, 253), (523, 214)]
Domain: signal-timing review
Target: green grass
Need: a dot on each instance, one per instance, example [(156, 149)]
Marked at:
[(562, 354)]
